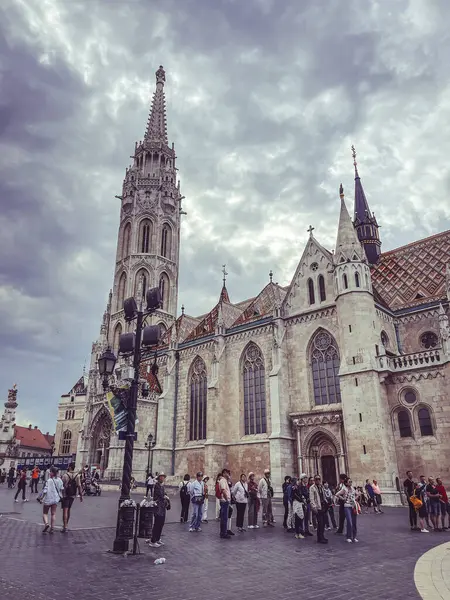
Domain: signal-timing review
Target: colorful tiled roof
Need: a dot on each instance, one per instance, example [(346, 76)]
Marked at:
[(146, 373), (414, 274), (263, 304), (208, 324), (31, 438)]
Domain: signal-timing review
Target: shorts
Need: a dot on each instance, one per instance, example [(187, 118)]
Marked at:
[(423, 511), (67, 502), (435, 507)]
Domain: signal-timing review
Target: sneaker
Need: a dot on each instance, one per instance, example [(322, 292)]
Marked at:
[(327, 528), (63, 530), (161, 543), (242, 529), (225, 537), (181, 520), (198, 529), (26, 500), (16, 501), (256, 527), (205, 521), (154, 545), (349, 540), (424, 531), (191, 529), (229, 532), (45, 529), (355, 541), (271, 524), (51, 530), (251, 527)]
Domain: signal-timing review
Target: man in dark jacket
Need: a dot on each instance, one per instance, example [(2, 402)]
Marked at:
[(286, 485), (342, 479), (161, 500)]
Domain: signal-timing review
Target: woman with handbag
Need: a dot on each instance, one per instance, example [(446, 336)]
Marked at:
[(253, 502), (240, 493), (49, 497), (351, 509)]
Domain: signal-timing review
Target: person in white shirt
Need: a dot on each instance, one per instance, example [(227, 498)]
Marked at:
[(50, 497), (266, 494), (240, 493), (197, 492), (150, 484)]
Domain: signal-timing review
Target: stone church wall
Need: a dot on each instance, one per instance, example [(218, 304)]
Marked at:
[(413, 326)]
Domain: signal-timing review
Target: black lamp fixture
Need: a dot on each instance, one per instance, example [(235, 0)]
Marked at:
[(106, 364)]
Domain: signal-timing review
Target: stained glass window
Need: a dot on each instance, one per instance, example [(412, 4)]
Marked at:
[(428, 340), (199, 390), (404, 424), (426, 427), (311, 291), (325, 368), (255, 420), (322, 293), (145, 232)]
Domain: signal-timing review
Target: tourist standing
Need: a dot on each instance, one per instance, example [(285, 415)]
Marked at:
[(420, 507), (409, 487), (185, 498), (161, 501), (11, 473), (240, 493), (306, 504), (298, 502), (225, 499), (35, 479), (434, 502), (150, 485), (286, 503), (71, 488), (372, 500), (253, 502), (217, 494), (319, 507), (378, 498), (425, 498), (50, 497), (445, 508), (205, 504), (348, 494), (330, 513), (342, 480), (196, 491), (21, 485), (265, 490)]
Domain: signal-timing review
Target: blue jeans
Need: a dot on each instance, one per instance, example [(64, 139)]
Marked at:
[(350, 517), (224, 518), (197, 511)]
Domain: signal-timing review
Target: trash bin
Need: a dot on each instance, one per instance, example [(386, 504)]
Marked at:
[(145, 524), (126, 522)]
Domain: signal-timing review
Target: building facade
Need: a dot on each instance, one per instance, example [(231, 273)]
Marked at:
[(70, 418), (345, 369)]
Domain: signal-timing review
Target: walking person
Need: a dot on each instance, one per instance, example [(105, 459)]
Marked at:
[(150, 484), (21, 485), (185, 498), (341, 485), (50, 496), (372, 500), (265, 490), (240, 493), (162, 504), (35, 479), (253, 502), (409, 487), (286, 504), (11, 473), (71, 489), (319, 506), (196, 491), (443, 498), (349, 496), (225, 499), (206, 502), (378, 498)]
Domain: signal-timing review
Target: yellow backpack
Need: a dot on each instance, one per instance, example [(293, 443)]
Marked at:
[(416, 502)]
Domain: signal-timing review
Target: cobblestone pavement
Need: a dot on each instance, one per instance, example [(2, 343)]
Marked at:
[(432, 573), (265, 563)]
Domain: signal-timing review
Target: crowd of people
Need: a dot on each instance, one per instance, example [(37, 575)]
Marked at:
[(427, 501)]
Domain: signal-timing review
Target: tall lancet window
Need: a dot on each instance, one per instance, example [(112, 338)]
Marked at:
[(322, 293), (198, 407), (145, 236), (116, 338), (166, 240), (126, 240), (324, 363), (142, 279), (164, 288), (254, 384), (66, 442), (311, 295), (121, 291)]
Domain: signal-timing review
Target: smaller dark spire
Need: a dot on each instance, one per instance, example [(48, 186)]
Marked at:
[(182, 309), (341, 191), (270, 275)]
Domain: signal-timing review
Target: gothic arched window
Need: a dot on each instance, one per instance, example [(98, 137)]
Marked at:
[(164, 288), (145, 236), (126, 240), (66, 442), (322, 293), (166, 239), (345, 280), (199, 390), (404, 424), (142, 279), (325, 368), (162, 330), (121, 291), (357, 282), (311, 295), (255, 420), (426, 427), (116, 338)]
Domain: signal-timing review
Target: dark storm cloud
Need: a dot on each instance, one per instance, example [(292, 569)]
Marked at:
[(264, 100)]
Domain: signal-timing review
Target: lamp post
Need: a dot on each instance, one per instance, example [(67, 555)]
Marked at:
[(150, 444), (130, 345)]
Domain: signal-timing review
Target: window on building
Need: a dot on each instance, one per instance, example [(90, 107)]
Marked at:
[(116, 338), (164, 288), (126, 240), (254, 384), (162, 330), (384, 339), (428, 340), (66, 442), (426, 427), (324, 361), (322, 293), (198, 408), (410, 396), (404, 424), (345, 280), (311, 295), (121, 291), (166, 239), (142, 279), (357, 283), (145, 236)]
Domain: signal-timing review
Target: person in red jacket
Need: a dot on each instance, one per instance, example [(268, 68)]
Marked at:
[(445, 507)]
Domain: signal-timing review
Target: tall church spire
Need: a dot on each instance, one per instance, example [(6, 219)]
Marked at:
[(365, 223), (347, 243), (156, 130)]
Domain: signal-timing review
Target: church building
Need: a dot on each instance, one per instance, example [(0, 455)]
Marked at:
[(343, 370)]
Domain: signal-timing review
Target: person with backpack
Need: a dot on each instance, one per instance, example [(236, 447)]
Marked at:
[(185, 498), (71, 488)]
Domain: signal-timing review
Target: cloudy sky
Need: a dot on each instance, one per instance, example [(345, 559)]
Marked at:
[(265, 98)]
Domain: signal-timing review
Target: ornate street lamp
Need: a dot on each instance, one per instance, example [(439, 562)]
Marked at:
[(150, 444), (106, 364)]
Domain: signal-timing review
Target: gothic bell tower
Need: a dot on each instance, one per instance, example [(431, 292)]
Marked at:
[(149, 229)]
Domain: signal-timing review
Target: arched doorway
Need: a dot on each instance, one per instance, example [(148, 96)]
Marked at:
[(322, 455), (102, 428)]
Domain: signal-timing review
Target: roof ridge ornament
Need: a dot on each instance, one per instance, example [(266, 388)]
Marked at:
[(355, 164)]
